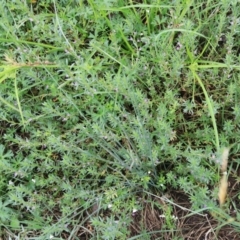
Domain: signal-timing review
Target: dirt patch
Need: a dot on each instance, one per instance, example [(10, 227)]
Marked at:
[(185, 224)]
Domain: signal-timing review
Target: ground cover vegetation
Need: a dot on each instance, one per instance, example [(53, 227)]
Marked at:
[(115, 118)]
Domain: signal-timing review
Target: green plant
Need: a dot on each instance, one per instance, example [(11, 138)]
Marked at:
[(107, 102)]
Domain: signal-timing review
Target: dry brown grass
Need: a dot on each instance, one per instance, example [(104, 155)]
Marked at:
[(193, 227)]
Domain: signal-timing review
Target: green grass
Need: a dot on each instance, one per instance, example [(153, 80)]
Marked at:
[(107, 106)]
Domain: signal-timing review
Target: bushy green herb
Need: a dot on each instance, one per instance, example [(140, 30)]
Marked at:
[(104, 101)]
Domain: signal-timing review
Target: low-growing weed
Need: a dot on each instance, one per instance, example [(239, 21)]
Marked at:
[(113, 110)]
